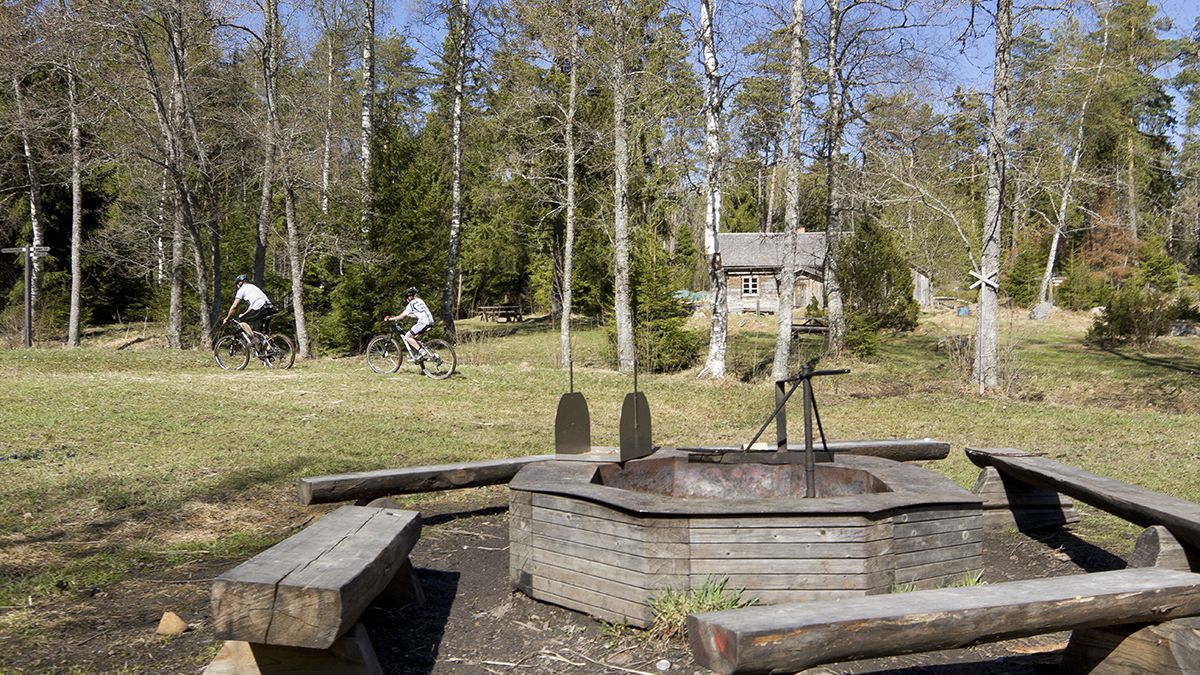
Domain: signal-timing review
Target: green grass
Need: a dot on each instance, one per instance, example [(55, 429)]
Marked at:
[(130, 447)]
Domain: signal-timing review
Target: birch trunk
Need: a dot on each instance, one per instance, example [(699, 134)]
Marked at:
[(76, 211), (791, 192), (270, 69), (1060, 223), (773, 186), (834, 310), (626, 351), (368, 108), (987, 338), (178, 54), (37, 234), (327, 141), (569, 234), (456, 205), (714, 366), (272, 40)]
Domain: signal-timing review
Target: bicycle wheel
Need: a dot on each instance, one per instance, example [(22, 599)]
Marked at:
[(383, 354), (278, 352), (441, 360), (231, 353)]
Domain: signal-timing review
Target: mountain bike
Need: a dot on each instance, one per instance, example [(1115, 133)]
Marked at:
[(385, 354), (233, 350)]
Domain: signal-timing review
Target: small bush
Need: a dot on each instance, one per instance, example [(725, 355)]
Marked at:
[(1134, 316), (1082, 288), (862, 334), (671, 608)]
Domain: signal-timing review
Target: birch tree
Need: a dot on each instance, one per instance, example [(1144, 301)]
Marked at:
[(460, 19), (987, 322), (798, 66), (621, 92), (368, 109), (714, 366)]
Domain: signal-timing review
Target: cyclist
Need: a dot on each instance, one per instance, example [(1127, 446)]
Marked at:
[(260, 306), (415, 309)]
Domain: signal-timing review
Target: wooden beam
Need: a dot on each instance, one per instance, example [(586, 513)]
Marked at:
[(790, 638), (372, 484), (1136, 504), (1168, 648), (309, 589)]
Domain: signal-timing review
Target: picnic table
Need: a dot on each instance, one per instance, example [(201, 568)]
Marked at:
[(810, 324), (497, 312)]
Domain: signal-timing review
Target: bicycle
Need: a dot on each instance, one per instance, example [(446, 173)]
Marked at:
[(232, 352), (384, 355)]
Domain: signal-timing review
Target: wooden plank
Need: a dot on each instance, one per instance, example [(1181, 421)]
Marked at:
[(796, 566), (766, 598), (930, 528), (1168, 648), (790, 638), (1156, 547), (754, 583), (942, 554), (352, 654), (671, 559), (791, 535), (773, 551), (599, 572), (309, 589), (1136, 504), (604, 607), (934, 541), (371, 484)]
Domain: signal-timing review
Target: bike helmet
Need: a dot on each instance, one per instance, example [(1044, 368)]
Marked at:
[(411, 290), (240, 278)]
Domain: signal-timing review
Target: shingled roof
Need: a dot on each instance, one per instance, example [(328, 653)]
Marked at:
[(764, 251)]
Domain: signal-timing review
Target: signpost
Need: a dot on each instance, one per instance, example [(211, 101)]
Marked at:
[(30, 252)]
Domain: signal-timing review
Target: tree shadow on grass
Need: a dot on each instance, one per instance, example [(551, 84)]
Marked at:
[(1181, 365)]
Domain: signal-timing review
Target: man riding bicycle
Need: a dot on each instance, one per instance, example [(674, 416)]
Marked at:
[(260, 306), (416, 309)]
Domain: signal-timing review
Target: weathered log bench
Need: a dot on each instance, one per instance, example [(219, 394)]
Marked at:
[(294, 602), (792, 637), (1138, 505), (366, 485)]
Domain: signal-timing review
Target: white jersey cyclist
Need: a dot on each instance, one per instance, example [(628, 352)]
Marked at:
[(417, 309)]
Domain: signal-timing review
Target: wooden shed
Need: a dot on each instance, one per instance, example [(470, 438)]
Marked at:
[(752, 261)]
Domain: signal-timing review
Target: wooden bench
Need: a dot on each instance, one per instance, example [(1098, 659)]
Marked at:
[(295, 602), (790, 638), (365, 485), (811, 324), (1130, 502), (497, 312)]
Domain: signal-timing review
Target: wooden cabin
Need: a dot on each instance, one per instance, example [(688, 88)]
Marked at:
[(752, 261)]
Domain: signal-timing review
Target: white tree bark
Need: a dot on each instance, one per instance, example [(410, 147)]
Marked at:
[(456, 199), (368, 107), (37, 227), (626, 350), (1060, 223), (714, 366), (833, 141), (791, 213), (270, 71), (986, 337), (569, 147), (76, 210)]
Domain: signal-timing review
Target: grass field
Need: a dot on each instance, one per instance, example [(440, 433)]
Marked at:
[(118, 463)]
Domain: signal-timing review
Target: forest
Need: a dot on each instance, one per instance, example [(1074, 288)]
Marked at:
[(579, 157)]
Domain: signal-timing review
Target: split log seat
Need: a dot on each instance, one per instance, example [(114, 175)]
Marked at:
[(367, 485), (309, 590), (1135, 504), (789, 638)]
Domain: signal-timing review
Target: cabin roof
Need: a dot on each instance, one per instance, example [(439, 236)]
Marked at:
[(764, 251)]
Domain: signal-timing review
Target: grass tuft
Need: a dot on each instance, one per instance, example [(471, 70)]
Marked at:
[(671, 607)]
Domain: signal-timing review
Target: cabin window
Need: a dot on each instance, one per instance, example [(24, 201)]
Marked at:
[(749, 285)]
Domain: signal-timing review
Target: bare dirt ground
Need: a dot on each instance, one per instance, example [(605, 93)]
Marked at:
[(472, 621)]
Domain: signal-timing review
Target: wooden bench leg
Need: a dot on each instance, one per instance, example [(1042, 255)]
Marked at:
[(351, 654), (1168, 648), (1157, 547), (1011, 503)]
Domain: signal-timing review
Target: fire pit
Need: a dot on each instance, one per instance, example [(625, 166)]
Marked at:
[(604, 537)]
